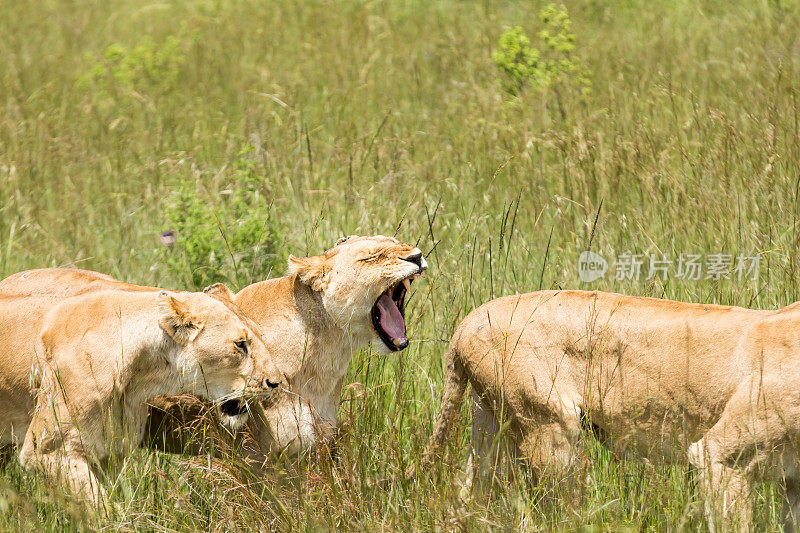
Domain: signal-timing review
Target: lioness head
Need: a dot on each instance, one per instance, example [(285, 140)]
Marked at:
[(363, 282), (222, 356)]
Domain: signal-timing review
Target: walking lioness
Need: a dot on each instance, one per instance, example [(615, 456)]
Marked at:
[(99, 357), (716, 385)]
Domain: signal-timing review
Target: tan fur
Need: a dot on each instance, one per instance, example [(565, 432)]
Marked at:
[(713, 385), (311, 320), (90, 363), (318, 315)]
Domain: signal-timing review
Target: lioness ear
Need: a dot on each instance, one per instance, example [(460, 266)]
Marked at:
[(219, 290), (176, 319), (312, 271)]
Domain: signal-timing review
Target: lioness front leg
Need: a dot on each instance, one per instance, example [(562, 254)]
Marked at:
[(76, 470), (44, 450), (750, 441)]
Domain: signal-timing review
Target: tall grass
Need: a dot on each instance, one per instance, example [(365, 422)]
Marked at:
[(367, 117)]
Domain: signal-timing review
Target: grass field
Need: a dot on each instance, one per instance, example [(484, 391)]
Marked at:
[(121, 119)]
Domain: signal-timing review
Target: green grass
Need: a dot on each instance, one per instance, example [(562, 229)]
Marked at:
[(369, 117)]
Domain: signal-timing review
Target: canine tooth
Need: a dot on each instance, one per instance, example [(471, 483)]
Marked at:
[(398, 342), (407, 284)]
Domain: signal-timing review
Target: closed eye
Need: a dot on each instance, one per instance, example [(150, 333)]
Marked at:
[(370, 257), (243, 346)]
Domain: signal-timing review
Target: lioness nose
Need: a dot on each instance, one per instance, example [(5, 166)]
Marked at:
[(418, 260)]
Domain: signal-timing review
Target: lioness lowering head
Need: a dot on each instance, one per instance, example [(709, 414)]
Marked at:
[(104, 354), (717, 386)]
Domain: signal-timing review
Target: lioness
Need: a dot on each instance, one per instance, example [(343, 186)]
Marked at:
[(311, 320), (716, 385), (101, 356)]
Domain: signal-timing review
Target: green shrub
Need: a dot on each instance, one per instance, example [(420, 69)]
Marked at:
[(549, 67), (226, 235), (149, 67)]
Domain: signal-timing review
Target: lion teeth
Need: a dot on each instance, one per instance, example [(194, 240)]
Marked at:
[(407, 284), (398, 342)]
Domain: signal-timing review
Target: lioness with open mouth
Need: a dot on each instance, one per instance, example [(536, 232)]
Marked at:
[(716, 385), (101, 356), (326, 308), (311, 320)]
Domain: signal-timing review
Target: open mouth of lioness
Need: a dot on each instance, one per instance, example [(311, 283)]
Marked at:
[(234, 407), (388, 315)]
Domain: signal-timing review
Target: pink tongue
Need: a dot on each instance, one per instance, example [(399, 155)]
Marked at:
[(391, 320)]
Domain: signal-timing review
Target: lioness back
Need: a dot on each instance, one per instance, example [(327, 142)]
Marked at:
[(626, 362), (56, 282)]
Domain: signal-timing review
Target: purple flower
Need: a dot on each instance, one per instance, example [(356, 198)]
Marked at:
[(168, 238)]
